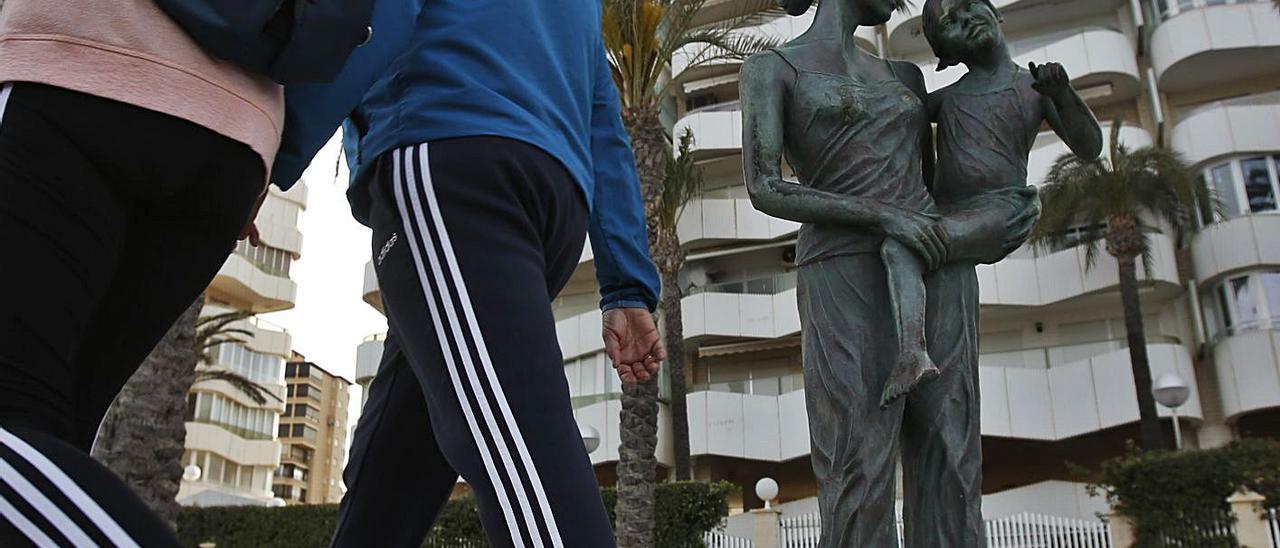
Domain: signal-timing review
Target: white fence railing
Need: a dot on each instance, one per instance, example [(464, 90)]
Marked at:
[(1037, 530), (1018, 531), (1274, 522), (721, 540)]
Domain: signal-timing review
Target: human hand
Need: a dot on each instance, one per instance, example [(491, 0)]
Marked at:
[(1051, 79), (632, 341), (920, 232), (250, 229)]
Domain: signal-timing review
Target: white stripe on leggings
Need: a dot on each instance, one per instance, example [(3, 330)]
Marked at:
[(24, 525), (64, 483), (398, 178), (30, 493), (482, 349), (4, 99)]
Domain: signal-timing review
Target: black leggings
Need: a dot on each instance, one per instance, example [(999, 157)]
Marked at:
[(113, 219)]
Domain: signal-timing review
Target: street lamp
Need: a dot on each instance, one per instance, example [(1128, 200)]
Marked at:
[(1171, 391), (276, 502), (767, 490), (590, 437), (191, 473)]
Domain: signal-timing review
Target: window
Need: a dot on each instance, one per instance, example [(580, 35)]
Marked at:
[(246, 422), (1244, 303), (1170, 8), (1245, 186), (256, 366), (273, 261)]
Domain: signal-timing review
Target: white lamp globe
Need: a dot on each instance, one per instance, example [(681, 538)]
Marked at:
[(767, 490), (191, 473), (1171, 391), (590, 437), (276, 503)]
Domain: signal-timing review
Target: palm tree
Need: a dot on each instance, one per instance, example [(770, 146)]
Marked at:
[(641, 36), (144, 434), (1109, 201)]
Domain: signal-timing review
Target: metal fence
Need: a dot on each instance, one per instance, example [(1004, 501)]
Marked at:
[(1042, 531), (1019, 531), (1273, 521), (1214, 530), (721, 540)]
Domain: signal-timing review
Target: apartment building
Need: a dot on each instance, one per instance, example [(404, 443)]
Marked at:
[(1199, 76), (312, 434), (231, 438)]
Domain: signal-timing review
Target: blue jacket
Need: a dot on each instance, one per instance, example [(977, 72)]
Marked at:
[(534, 71)]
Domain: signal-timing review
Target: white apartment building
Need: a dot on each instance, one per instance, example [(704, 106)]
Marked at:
[(231, 438), (1199, 76)]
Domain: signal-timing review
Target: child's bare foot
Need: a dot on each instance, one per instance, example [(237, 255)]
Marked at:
[(914, 369)]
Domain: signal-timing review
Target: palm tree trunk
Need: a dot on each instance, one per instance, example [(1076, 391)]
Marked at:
[(637, 465), (1149, 421), (144, 433), (673, 335)]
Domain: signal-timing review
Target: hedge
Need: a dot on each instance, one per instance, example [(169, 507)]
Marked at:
[(685, 512), (1178, 495)]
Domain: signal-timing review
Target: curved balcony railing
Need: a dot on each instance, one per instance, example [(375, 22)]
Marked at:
[(1247, 361), (1244, 125), (1210, 43), (1234, 245)]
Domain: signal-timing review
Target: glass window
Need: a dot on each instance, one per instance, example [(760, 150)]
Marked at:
[(1244, 302), (1258, 185), (1224, 185), (1271, 289)]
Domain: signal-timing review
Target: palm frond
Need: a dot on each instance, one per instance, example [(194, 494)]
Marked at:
[(1081, 198), (253, 390), (683, 184)]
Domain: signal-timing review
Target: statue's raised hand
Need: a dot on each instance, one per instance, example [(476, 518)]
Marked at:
[(1051, 79), (920, 232)]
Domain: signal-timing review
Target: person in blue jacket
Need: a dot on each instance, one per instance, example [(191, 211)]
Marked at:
[(486, 142)]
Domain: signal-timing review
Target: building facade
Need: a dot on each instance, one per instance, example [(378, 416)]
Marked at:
[(231, 438), (312, 434), (1199, 76)]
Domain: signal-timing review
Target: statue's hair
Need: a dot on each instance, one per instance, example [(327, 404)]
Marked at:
[(932, 12), (798, 7)]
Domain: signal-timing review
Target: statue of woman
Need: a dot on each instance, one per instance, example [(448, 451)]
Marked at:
[(856, 131)]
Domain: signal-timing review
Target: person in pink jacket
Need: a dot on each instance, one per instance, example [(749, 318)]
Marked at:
[(130, 161)]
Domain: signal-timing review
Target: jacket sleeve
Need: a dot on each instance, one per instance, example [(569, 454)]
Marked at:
[(619, 239), (313, 112)]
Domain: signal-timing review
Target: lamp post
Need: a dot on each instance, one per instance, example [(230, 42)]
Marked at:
[(767, 490), (1171, 391), (590, 437)]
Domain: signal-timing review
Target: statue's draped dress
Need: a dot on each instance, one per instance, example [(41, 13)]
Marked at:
[(851, 136)]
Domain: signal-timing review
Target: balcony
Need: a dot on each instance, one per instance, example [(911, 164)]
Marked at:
[(245, 452), (248, 287), (1044, 394), (1236, 126), (717, 130), (372, 293), (1209, 45), (1025, 279), (1097, 58), (728, 216), (1244, 243), (1021, 17), (781, 28), (1248, 365), (603, 416), (368, 358), (1048, 148)]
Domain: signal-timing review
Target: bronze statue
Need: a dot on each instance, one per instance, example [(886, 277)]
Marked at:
[(856, 129), (987, 124)]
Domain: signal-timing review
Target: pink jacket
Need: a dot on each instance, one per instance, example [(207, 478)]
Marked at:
[(130, 51)]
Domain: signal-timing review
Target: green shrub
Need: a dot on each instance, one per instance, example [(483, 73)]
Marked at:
[(685, 511), (1178, 495)]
